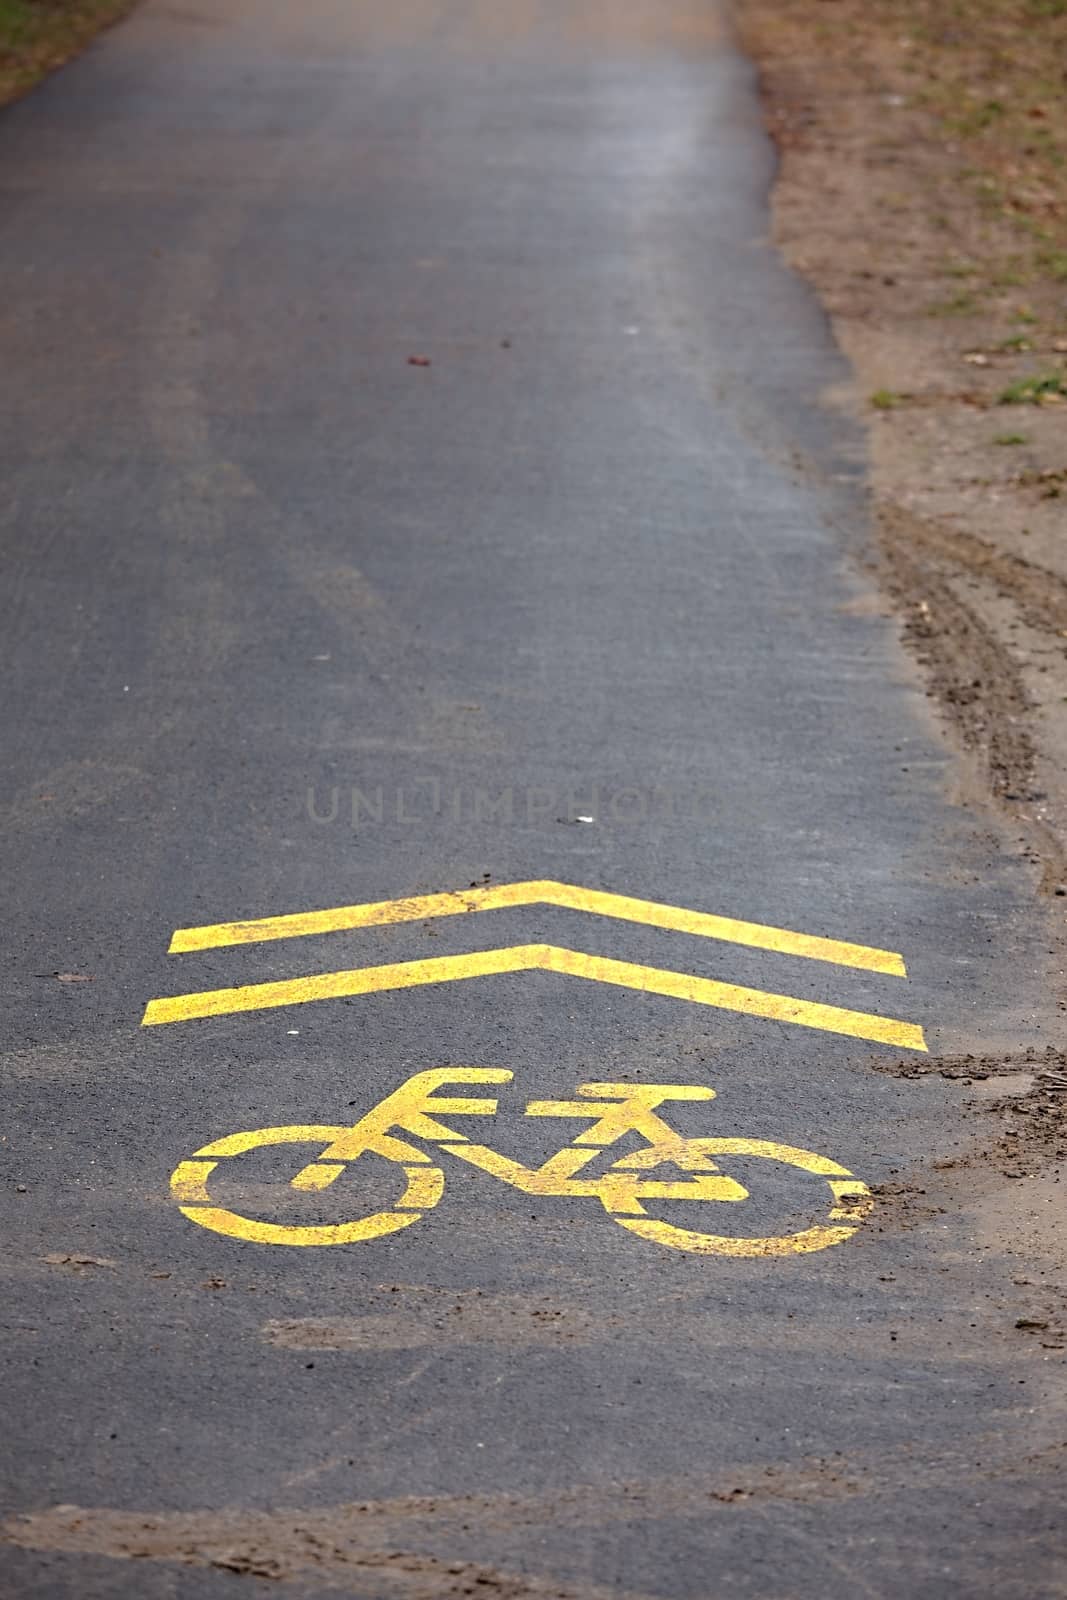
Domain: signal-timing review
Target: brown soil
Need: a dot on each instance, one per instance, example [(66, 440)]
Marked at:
[(431, 1318), (923, 190), (1031, 1086), (1008, 1177), (418, 1548)]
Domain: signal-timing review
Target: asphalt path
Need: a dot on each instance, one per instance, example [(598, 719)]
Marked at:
[(418, 479)]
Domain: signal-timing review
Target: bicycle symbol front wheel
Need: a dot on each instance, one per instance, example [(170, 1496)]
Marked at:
[(851, 1203)]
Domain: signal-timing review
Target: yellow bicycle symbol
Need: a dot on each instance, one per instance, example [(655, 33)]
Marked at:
[(614, 1109)]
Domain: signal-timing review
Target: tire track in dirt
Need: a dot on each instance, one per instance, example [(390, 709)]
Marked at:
[(971, 672)]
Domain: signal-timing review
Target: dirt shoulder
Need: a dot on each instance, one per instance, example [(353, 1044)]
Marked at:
[(36, 36), (923, 191)]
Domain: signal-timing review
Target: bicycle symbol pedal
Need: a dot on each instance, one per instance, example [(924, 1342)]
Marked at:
[(614, 1111)]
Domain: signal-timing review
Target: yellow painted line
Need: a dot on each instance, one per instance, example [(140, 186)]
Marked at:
[(525, 958), (709, 1244), (596, 902)]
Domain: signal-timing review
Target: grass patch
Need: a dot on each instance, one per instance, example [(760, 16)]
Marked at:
[(963, 304), (887, 399), (1054, 262), (1035, 390), (38, 35), (1010, 438), (976, 119)]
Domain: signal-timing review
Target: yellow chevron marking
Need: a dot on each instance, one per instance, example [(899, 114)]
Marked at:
[(542, 892), (525, 958)]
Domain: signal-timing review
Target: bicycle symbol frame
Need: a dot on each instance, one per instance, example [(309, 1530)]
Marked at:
[(613, 1109)]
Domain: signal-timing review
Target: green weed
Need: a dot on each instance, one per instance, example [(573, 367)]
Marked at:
[(1033, 390), (963, 304)]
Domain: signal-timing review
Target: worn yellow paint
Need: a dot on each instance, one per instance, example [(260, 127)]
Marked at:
[(425, 1186), (769, 1150), (617, 1191), (237, 1227), (709, 1244), (189, 1181), (843, 1186), (411, 1109), (615, 1110), (572, 897), (238, 1144), (317, 1175), (854, 1200), (632, 1112), (525, 958)]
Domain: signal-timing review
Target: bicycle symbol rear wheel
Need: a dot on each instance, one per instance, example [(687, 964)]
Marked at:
[(188, 1184)]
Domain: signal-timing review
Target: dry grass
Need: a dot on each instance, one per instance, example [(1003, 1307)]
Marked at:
[(38, 35), (993, 73)]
